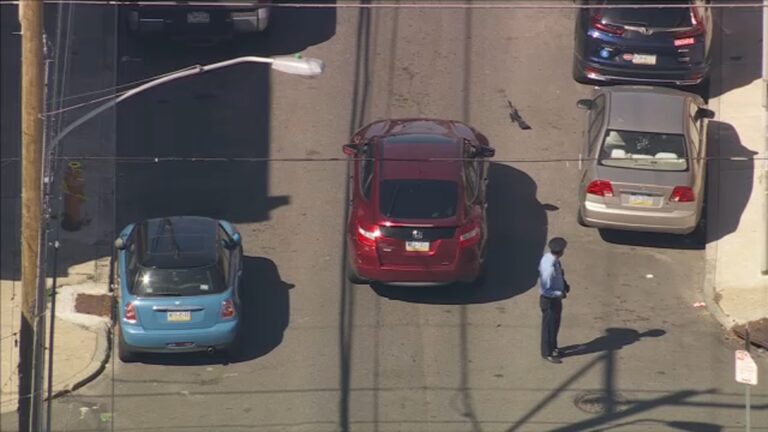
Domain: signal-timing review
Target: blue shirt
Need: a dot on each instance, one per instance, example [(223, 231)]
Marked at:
[(551, 276)]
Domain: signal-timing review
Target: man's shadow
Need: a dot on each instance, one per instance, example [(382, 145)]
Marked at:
[(613, 340)]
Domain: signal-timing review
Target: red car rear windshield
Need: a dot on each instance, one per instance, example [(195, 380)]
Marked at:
[(418, 199)]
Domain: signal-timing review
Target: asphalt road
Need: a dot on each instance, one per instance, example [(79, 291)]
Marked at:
[(321, 355)]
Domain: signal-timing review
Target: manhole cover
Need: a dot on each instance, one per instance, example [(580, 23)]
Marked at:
[(599, 402)]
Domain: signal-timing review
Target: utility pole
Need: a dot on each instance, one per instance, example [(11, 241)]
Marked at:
[(764, 264), (32, 83)]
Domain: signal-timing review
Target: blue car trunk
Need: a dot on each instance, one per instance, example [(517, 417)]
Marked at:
[(180, 313)]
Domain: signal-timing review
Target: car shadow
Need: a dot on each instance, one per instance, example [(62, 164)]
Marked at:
[(265, 308), (729, 182), (739, 29), (517, 234)]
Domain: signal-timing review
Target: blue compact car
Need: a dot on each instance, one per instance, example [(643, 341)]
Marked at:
[(178, 282), (664, 45)]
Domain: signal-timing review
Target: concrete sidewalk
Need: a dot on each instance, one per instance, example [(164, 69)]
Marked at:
[(81, 341), (735, 289)]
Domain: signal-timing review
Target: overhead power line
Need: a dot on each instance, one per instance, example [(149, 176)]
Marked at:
[(393, 5), (160, 159)]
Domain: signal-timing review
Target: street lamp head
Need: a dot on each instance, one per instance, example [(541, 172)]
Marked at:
[(297, 65)]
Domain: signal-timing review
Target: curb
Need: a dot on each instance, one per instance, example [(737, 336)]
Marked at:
[(104, 337), (708, 288)]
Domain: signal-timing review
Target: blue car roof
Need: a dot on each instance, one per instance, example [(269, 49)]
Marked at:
[(177, 242)]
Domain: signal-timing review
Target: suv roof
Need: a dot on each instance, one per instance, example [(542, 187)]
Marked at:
[(415, 150), (176, 242)]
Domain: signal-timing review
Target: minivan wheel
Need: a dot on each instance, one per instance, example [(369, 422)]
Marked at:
[(123, 352)]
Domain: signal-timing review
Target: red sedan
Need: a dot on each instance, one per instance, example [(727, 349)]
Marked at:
[(418, 202)]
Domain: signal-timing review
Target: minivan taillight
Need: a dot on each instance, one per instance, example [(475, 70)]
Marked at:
[(601, 188), (685, 37), (682, 194), (469, 235), (368, 236), (227, 309), (129, 314), (598, 24)]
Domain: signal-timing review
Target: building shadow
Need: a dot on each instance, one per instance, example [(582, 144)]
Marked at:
[(265, 309), (10, 143), (614, 339), (740, 30), (729, 182), (517, 234)]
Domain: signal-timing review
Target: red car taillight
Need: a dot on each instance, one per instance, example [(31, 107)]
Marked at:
[(227, 309), (129, 315), (598, 24), (469, 235), (682, 194), (368, 236), (686, 37), (601, 188)]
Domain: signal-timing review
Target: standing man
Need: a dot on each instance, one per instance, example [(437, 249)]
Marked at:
[(553, 289)]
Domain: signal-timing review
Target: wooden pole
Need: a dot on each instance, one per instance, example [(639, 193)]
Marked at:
[(32, 87)]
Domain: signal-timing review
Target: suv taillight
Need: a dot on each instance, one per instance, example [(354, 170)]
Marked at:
[(682, 194), (129, 315), (368, 236), (469, 235), (227, 309), (598, 24), (685, 37), (601, 188)]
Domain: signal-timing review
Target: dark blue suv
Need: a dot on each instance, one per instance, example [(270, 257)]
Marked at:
[(661, 45)]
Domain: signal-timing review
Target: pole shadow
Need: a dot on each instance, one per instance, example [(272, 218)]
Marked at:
[(613, 340), (517, 234)]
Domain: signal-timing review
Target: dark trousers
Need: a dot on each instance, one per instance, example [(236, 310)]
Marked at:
[(551, 310)]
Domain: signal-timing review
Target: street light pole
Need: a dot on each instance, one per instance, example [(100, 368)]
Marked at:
[(764, 266), (295, 65)]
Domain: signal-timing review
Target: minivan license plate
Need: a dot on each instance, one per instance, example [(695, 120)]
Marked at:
[(179, 316), (198, 17), (415, 246), (645, 59)]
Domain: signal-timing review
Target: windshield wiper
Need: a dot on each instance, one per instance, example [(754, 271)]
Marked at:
[(165, 294)]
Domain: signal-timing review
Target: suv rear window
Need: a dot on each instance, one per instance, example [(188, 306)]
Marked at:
[(152, 282), (418, 199), (668, 17), (644, 150)]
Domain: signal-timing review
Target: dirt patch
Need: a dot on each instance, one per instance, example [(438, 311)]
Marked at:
[(91, 304), (758, 332)]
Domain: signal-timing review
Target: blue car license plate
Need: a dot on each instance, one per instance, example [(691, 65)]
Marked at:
[(179, 316)]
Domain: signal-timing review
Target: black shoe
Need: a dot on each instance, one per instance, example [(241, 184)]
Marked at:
[(557, 353), (552, 359)]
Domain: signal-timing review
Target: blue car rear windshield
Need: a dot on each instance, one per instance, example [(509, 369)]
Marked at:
[(179, 282), (418, 199), (648, 17)]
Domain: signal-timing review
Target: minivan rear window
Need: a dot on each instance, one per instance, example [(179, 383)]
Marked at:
[(669, 17), (418, 199)]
